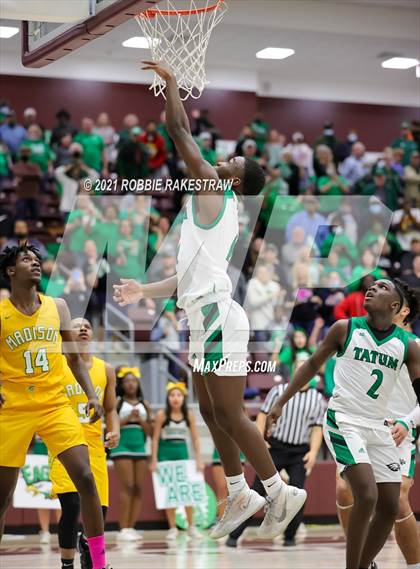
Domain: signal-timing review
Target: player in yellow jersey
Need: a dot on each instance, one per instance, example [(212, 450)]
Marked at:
[(103, 379), (32, 328)]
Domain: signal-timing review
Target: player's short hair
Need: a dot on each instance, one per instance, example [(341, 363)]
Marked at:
[(254, 178), (9, 255), (409, 296)]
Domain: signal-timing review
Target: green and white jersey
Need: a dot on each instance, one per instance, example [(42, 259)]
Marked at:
[(204, 253), (175, 431), (365, 374), (403, 397)]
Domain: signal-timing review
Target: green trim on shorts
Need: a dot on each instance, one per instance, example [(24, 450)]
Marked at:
[(342, 451), (213, 346), (210, 313), (412, 464), (331, 420)]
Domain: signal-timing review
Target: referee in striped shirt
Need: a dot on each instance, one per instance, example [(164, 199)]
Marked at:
[(293, 445)]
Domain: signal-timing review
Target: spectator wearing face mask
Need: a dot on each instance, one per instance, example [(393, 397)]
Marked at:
[(355, 167), (345, 148), (329, 139), (28, 176), (302, 153), (12, 133)]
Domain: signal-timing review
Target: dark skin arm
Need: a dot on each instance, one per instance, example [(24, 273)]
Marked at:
[(112, 437), (74, 359), (332, 342), (413, 361), (179, 130)]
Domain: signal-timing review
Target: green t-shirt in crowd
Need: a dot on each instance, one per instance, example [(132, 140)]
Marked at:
[(4, 163), (78, 236), (209, 155), (106, 232), (335, 190), (41, 153), (133, 251), (408, 146), (260, 130), (55, 285), (93, 146)]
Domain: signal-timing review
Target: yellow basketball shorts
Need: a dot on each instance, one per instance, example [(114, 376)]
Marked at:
[(62, 482), (29, 409)]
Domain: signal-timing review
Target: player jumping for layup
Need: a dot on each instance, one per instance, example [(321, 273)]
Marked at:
[(219, 328), (32, 327), (370, 353)]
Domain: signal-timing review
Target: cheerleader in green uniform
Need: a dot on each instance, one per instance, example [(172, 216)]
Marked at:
[(171, 430), (130, 457)]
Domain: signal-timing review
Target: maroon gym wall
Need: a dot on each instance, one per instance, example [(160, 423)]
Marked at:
[(377, 125), (320, 487)]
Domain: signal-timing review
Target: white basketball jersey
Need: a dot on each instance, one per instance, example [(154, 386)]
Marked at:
[(204, 253), (365, 374), (403, 397)]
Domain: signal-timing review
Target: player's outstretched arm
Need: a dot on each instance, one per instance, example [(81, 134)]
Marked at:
[(75, 361), (112, 436), (413, 366), (178, 125), (332, 342), (131, 291)]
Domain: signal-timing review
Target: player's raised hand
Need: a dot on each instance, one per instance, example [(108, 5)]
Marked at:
[(160, 67), (98, 410), (128, 292), (398, 431), (112, 439), (271, 420)]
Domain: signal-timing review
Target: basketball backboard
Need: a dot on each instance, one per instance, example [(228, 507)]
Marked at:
[(52, 29)]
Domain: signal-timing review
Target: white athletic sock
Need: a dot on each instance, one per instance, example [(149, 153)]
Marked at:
[(414, 566), (236, 484), (273, 485)]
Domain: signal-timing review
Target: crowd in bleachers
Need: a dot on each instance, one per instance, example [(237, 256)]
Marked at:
[(299, 283)]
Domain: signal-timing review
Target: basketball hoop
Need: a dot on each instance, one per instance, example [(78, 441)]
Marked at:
[(180, 37)]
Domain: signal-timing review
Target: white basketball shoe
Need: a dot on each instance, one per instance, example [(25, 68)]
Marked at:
[(280, 511), (239, 508)]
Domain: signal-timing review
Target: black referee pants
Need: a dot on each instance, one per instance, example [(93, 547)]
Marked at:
[(290, 458)]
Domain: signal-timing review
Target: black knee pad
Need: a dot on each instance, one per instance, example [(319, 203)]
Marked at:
[(69, 521)]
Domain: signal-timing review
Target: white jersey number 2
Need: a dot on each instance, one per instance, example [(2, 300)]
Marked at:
[(379, 379)]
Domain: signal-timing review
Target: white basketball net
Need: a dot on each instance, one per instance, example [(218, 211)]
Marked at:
[(181, 39)]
